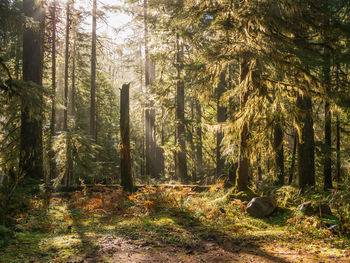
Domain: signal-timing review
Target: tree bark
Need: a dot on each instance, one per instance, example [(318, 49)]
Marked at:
[(292, 166), (199, 151), (338, 151), (127, 181), (52, 161), (180, 156), (306, 144), (31, 148), (149, 111), (65, 110), (328, 126), (221, 117), (242, 178), (93, 75), (279, 153)]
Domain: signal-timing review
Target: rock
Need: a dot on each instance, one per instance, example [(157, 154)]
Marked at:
[(261, 206), (310, 209), (307, 209)]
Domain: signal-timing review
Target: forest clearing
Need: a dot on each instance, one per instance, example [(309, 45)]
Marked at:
[(175, 131)]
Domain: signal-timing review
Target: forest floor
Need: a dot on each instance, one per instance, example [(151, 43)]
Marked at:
[(157, 224)]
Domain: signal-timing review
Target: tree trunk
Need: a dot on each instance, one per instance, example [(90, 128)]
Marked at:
[(150, 111), (328, 126), (65, 110), (93, 75), (52, 161), (338, 151), (292, 166), (143, 155), (199, 152), (221, 117), (259, 168), (279, 153), (125, 160), (181, 162), (73, 76), (162, 144), (243, 164), (306, 144), (31, 148)]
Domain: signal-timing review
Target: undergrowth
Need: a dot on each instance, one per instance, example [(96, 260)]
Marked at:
[(74, 226)]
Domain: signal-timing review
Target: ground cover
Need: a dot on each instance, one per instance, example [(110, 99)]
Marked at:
[(161, 224)]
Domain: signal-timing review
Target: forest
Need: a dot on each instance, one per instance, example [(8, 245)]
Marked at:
[(175, 131)]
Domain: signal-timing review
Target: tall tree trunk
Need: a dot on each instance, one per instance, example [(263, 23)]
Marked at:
[(143, 155), (148, 110), (93, 75), (328, 125), (70, 164), (193, 148), (306, 143), (243, 163), (162, 142), (65, 110), (221, 117), (52, 161), (125, 161), (278, 151), (66, 68), (181, 162), (31, 147), (73, 76), (292, 166), (338, 151), (199, 151)]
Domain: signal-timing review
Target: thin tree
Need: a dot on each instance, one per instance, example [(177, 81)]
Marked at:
[(52, 161), (292, 165), (93, 75), (66, 79), (180, 153), (278, 151), (221, 117)]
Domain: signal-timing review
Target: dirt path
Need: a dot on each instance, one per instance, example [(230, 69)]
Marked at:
[(123, 250)]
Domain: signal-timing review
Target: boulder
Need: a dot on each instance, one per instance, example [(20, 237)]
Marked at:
[(310, 209), (261, 206)]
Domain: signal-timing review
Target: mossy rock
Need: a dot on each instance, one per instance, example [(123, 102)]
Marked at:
[(246, 195)]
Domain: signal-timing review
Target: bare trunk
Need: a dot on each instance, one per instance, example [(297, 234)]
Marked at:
[(52, 161), (199, 152), (221, 117), (328, 126), (93, 75), (292, 166), (125, 160), (279, 153), (181, 162), (242, 179), (306, 144), (338, 151), (65, 110)]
